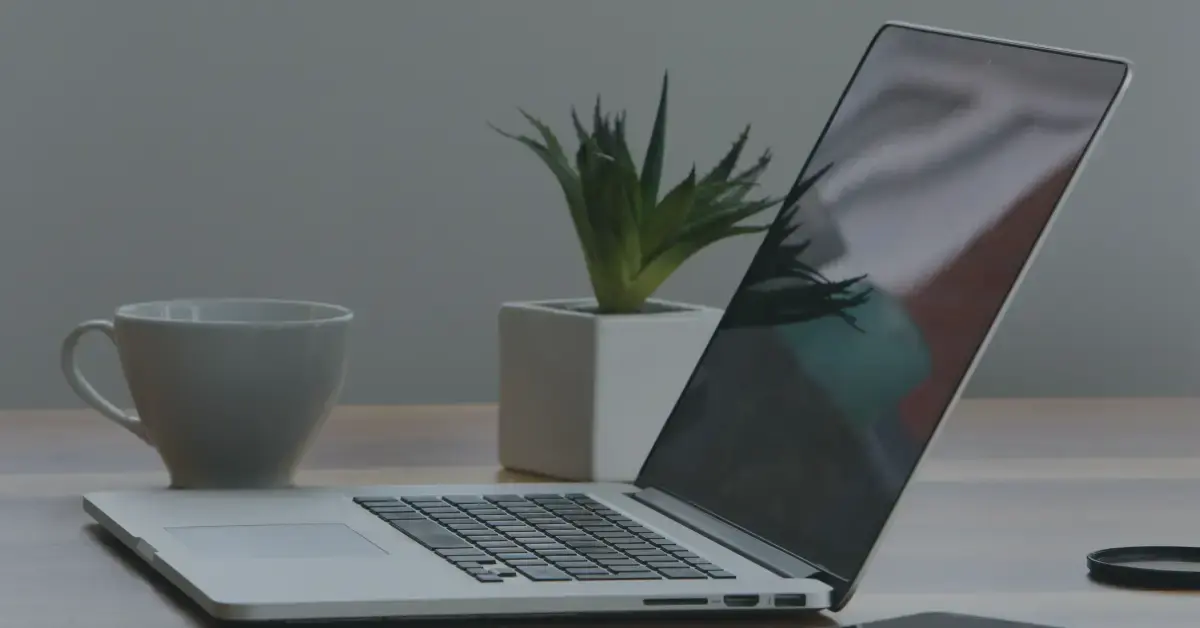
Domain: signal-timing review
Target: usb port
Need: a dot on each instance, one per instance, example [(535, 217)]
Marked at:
[(741, 601), (791, 600)]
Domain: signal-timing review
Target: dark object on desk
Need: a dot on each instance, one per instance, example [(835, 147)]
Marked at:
[(1149, 567), (946, 620)]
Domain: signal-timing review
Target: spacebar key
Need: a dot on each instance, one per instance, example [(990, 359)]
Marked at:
[(542, 573), (430, 534)]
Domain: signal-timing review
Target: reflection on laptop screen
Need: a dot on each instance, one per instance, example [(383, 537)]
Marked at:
[(865, 307)]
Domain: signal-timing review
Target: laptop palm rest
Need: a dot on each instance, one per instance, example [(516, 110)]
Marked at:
[(312, 540)]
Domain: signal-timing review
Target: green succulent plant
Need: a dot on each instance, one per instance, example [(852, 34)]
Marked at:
[(631, 238)]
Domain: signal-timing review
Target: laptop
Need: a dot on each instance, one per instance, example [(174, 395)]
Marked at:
[(773, 479)]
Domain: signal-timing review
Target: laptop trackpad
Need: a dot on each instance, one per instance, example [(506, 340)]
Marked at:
[(309, 540)]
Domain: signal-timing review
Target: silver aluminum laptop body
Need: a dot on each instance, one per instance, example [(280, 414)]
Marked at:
[(752, 524)]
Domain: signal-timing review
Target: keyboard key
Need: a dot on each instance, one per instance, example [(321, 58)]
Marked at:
[(697, 561), (569, 562), (473, 569), (682, 574), (543, 574), (485, 537), (515, 529), (721, 575), (671, 547), (471, 560), (538, 547), (603, 555), (647, 575), (505, 573), (390, 507), (527, 563), (483, 513), (634, 546), (639, 530), (638, 575), (403, 516), (503, 498), (427, 501), (449, 519), (572, 534), (557, 552), (619, 562), (685, 555), (488, 577), (367, 502), (462, 551), (585, 571), (462, 499), (507, 556), (499, 546), (705, 566), (626, 568), (648, 553), (522, 537), (667, 564), (615, 536), (430, 534)]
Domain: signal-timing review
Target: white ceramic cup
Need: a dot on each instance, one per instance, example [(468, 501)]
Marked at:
[(230, 391)]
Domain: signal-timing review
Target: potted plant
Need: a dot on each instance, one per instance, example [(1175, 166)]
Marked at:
[(586, 383)]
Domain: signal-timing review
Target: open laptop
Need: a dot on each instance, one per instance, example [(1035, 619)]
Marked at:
[(859, 319)]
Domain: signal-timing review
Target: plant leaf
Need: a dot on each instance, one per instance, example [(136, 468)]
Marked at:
[(552, 155), (664, 221), (653, 163), (580, 132), (725, 167), (663, 265), (632, 185), (728, 216)]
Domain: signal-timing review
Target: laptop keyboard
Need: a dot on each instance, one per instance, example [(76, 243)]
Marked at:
[(545, 538)]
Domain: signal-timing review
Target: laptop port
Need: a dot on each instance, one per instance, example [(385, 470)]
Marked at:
[(741, 601), (791, 600), (675, 601)]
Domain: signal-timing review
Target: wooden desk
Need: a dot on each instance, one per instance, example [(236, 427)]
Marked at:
[(998, 523)]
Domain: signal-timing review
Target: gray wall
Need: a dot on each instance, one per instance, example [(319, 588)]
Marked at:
[(337, 150)]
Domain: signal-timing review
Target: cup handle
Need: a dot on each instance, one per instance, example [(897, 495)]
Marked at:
[(84, 389)]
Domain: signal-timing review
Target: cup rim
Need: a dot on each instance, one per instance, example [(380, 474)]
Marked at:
[(337, 313)]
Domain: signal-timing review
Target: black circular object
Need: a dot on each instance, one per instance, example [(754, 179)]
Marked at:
[(1149, 567)]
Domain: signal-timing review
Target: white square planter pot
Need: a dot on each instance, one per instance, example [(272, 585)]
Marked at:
[(584, 396)]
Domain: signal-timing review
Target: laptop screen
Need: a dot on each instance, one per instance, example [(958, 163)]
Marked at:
[(864, 308)]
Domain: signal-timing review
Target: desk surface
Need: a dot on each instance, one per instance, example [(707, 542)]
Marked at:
[(1015, 493)]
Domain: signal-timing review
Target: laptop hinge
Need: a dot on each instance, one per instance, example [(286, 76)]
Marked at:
[(765, 554)]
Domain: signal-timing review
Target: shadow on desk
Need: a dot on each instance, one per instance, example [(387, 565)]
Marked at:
[(195, 615)]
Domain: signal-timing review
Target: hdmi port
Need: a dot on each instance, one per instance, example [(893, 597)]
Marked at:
[(741, 601)]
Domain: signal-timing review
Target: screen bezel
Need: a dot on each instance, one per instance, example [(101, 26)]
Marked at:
[(843, 589)]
